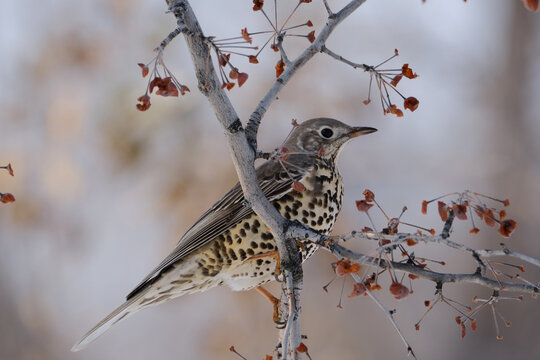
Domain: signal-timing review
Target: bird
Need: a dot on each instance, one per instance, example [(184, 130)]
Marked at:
[(229, 244)]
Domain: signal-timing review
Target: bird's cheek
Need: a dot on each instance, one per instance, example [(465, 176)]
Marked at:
[(311, 145)]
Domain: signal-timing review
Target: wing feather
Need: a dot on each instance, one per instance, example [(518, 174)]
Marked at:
[(227, 212)]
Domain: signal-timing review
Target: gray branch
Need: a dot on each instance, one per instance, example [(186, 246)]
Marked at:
[(343, 60), (333, 21), (475, 278), (401, 238)]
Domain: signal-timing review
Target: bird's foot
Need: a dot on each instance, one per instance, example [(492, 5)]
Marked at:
[(275, 302)]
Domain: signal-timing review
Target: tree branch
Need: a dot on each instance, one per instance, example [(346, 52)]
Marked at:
[(390, 315), (281, 50), (327, 7), (475, 278), (343, 60), (401, 238), (243, 156), (169, 38), (333, 21)]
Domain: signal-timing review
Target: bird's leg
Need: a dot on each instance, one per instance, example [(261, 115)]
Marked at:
[(274, 300)]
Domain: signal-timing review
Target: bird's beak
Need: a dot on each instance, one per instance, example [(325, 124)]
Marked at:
[(358, 131)]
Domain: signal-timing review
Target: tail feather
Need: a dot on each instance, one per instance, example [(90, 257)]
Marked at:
[(123, 311), (172, 284)]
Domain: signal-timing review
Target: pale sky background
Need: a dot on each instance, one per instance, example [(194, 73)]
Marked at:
[(104, 191)]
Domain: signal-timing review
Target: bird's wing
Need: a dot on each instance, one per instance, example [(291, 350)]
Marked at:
[(230, 210)]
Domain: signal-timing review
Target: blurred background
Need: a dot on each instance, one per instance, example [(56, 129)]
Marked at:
[(105, 191)]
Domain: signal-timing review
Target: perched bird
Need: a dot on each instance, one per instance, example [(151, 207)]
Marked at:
[(229, 244)]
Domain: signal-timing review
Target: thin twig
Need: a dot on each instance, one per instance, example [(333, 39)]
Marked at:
[(328, 10), (170, 37), (296, 64), (390, 315), (329, 52), (284, 56), (475, 278), (400, 238)]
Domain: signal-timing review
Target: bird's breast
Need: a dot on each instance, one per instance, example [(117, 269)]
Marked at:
[(318, 205), (236, 255)]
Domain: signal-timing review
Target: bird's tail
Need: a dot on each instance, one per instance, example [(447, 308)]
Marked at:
[(131, 306)]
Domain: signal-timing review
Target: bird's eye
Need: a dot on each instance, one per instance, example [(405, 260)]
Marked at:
[(327, 133)]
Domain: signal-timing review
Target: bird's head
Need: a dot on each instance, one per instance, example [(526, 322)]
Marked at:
[(323, 136)]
